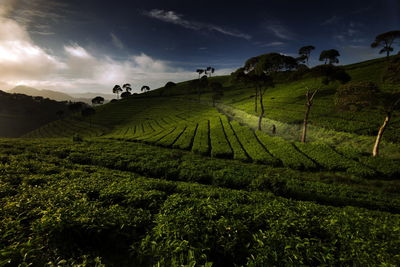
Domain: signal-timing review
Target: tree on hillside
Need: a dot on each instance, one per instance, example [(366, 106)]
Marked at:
[(309, 102), (262, 81), (305, 52), (145, 88), (329, 56), (264, 64), (98, 100), (386, 40), (240, 76), (209, 71), (249, 66), (357, 96), (200, 71), (127, 87), (116, 90)]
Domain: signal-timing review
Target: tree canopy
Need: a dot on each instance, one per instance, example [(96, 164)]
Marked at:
[(269, 63), (127, 87), (98, 100), (116, 90), (305, 52), (386, 40), (145, 88), (329, 56)]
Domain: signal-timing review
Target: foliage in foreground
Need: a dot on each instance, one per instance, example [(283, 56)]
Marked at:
[(60, 211)]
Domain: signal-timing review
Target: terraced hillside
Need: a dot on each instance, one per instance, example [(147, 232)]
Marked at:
[(192, 126), (168, 179), (285, 102)]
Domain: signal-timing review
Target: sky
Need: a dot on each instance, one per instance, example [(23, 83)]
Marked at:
[(78, 46)]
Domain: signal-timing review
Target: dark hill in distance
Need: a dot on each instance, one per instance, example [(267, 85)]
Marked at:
[(21, 113), (26, 90)]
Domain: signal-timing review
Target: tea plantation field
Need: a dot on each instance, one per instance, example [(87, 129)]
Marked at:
[(118, 203)]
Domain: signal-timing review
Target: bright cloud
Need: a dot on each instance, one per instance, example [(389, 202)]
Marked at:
[(20, 58), (22, 62), (76, 51)]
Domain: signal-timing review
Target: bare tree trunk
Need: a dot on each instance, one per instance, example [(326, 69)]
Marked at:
[(305, 123), (309, 103), (262, 109), (255, 102), (375, 151)]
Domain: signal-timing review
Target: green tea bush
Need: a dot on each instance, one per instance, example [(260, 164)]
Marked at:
[(201, 140), (255, 150), (331, 160), (238, 152), (170, 139), (220, 147), (185, 141), (286, 152)]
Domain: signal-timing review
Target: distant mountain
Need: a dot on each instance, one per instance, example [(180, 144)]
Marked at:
[(58, 96), (89, 95)]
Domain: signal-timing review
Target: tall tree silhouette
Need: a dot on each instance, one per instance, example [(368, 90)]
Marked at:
[(329, 56), (127, 87), (305, 52), (116, 90), (309, 102), (209, 71), (386, 40), (249, 66), (262, 82)]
